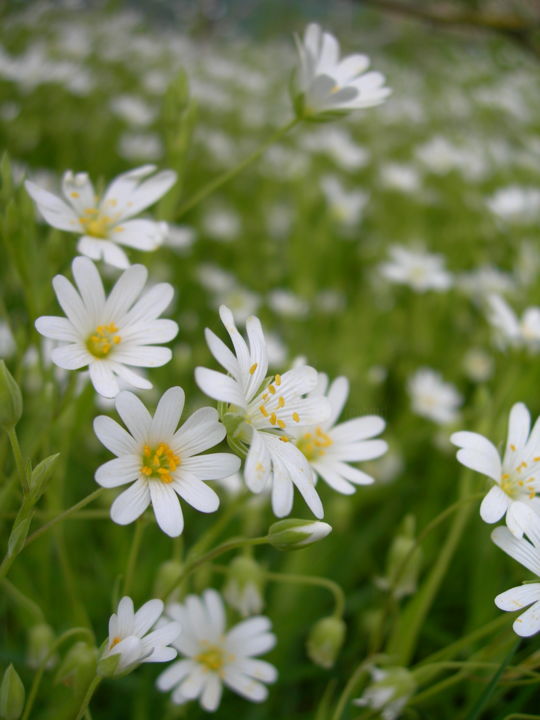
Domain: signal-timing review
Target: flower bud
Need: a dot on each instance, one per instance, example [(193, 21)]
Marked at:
[(403, 562), (10, 399), (243, 588), (40, 641), (79, 665), (293, 534), (325, 640), (11, 695), (167, 575)]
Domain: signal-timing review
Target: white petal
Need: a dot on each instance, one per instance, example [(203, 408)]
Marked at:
[(195, 492), (518, 518), (103, 379), (258, 669), (201, 431), (54, 210), (282, 491), (166, 508), (130, 376), (332, 477), (70, 357), (518, 425), (90, 288), (488, 465), (258, 464), (518, 597), (125, 291), (528, 623), (494, 505), (337, 396), (57, 328), (136, 417), (219, 386), (358, 451), (244, 631), (211, 695), (174, 674), (167, 415), (151, 304), (142, 355), (146, 616), (518, 548), (243, 685), (358, 429), (215, 610), (119, 471), (139, 234), (194, 684), (131, 504), (72, 305), (113, 436), (214, 466), (150, 333)]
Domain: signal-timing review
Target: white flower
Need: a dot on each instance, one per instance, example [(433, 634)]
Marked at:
[(328, 86), (130, 639), (515, 203), (329, 447), (104, 223), (345, 205), (510, 330), (214, 657), (433, 398), (418, 269), (160, 461), (108, 334), (528, 554), (389, 691), (515, 479), (264, 411)]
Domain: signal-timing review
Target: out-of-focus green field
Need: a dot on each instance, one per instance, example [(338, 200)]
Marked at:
[(99, 91)]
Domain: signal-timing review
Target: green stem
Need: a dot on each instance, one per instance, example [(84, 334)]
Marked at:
[(211, 554), (88, 696), (63, 515), (217, 527), (23, 600), (19, 461), (133, 554), (349, 688), (490, 688), (43, 666), (233, 172)]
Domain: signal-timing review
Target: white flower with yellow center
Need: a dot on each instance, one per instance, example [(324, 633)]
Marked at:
[(265, 410), (329, 448), (107, 222), (215, 657), (130, 640), (327, 86), (432, 397), (416, 268), (516, 477), (161, 461), (528, 554), (109, 334)]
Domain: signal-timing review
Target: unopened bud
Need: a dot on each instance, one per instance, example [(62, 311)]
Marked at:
[(10, 399), (40, 641), (243, 588), (403, 562), (11, 695), (167, 576), (325, 640), (293, 534)]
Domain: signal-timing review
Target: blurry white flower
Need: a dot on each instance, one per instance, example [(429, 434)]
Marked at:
[(214, 657), (263, 410), (433, 398), (338, 144), (140, 146), (179, 238), (346, 206), (327, 86), (214, 278), (441, 156), (329, 448), (515, 479), (510, 330), (130, 640), (485, 280), (527, 554), (287, 304), (105, 223), (134, 110), (276, 349), (221, 223), (389, 691), (478, 365), (519, 204), (418, 269), (109, 334), (243, 587), (404, 178), (162, 461)]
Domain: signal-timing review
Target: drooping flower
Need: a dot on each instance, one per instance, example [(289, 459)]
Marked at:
[(263, 411), (214, 657), (389, 691), (160, 461), (329, 448), (516, 478), (106, 223), (109, 334), (527, 554), (327, 86), (416, 268), (432, 397), (130, 640)]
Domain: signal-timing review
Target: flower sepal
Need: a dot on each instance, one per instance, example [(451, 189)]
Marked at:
[(293, 533)]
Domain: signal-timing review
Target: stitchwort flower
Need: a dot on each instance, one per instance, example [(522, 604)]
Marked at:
[(105, 223), (215, 657), (516, 478), (262, 411), (160, 461), (326, 86), (109, 334)]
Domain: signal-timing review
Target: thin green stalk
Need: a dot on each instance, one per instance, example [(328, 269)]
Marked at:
[(230, 174), (63, 515), (211, 554), (217, 527), (19, 461), (43, 666), (133, 554), (23, 600), (488, 691), (88, 696), (349, 688)]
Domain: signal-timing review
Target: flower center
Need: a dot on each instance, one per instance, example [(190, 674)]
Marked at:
[(102, 340), (114, 642), (94, 223), (159, 463), (313, 444), (211, 659), (514, 481)]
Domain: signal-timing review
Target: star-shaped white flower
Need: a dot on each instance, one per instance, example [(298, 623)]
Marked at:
[(109, 334), (160, 461), (104, 223), (130, 639), (265, 409), (516, 478), (416, 268), (215, 657), (329, 447), (528, 554), (327, 86), (432, 397)]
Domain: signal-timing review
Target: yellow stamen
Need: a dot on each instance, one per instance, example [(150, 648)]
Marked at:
[(512, 447), (296, 417), (281, 424), (263, 410), (211, 659), (114, 642), (277, 380), (281, 401), (101, 341), (74, 194), (159, 463), (272, 389), (273, 419), (253, 368)]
